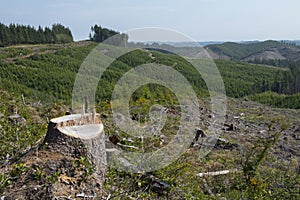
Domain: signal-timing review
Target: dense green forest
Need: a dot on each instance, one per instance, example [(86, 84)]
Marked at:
[(20, 34), (286, 81)]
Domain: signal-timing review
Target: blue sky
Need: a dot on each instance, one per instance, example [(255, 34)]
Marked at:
[(202, 20)]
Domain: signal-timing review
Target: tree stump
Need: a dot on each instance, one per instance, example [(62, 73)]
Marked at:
[(59, 167), (79, 135)]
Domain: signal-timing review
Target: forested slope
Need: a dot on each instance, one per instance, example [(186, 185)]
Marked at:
[(47, 72)]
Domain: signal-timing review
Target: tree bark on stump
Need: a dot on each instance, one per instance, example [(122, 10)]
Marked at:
[(62, 143), (93, 149)]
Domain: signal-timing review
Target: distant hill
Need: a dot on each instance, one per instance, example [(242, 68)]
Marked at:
[(268, 50), (206, 43), (276, 53)]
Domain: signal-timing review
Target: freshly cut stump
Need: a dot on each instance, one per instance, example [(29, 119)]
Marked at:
[(78, 135), (58, 167)]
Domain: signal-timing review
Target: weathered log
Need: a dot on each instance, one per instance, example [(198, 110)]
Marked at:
[(216, 173)]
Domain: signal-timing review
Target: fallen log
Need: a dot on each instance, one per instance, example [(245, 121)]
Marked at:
[(216, 173)]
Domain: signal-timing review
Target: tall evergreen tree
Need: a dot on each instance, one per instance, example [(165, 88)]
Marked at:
[(19, 34), (99, 34)]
